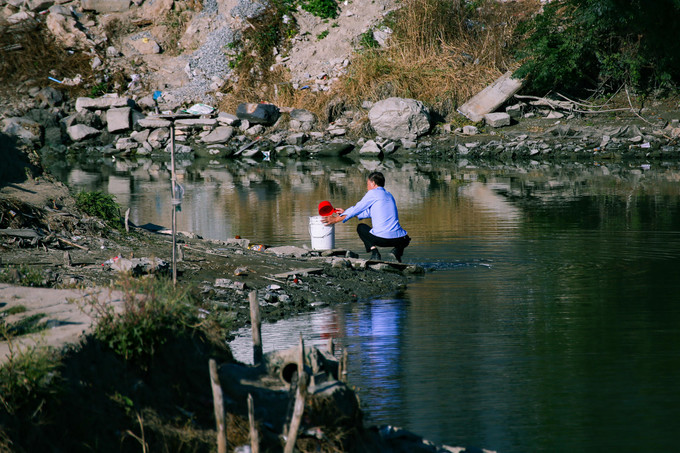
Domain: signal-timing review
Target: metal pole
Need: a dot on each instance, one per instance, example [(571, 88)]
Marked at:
[(174, 210)]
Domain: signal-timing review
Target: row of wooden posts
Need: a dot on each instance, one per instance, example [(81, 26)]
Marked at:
[(300, 394)]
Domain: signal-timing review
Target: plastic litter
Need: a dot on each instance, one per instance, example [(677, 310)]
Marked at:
[(200, 109), (110, 261), (241, 271), (135, 82)]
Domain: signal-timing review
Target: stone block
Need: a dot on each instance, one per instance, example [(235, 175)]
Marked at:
[(498, 119), (81, 132), (101, 103), (118, 119), (221, 134), (105, 6), (154, 123)]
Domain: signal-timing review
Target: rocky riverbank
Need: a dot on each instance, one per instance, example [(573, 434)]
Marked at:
[(164, 100), (67, 260), (399, 128)]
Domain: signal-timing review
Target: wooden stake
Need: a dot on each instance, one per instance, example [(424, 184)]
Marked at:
[(343, 378), (172, 204), (331, 346), (127, 220), (340, 370), (254, 436), (301, 357), (299, 407), (256, 322), (218, 403)]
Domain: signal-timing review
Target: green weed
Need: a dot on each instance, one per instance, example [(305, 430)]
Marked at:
[(367, 41), (99, 204), (14, 310), (322, 35), (326, 9), (98, 89), (23, 275), (153, 312), (27, 378)]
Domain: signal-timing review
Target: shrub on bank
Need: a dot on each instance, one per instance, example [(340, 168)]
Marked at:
[(139, 381), (441, 52), (153, 312), (577, 45), (101, 205)]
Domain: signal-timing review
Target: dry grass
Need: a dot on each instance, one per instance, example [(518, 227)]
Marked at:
[(274, 87), (439, 53), (31, 54)]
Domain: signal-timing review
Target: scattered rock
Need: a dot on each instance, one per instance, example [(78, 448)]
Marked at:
[(80, 132), (220, 134), (398, 118), (498, 119), (23, 128), (118, 119), (265, 114)]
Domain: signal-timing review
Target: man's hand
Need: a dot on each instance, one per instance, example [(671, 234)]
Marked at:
[(330, 220)]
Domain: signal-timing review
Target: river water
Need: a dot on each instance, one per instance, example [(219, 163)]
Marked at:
[(550, 320)]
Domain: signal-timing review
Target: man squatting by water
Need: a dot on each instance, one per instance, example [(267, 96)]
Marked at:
[(378, 205)]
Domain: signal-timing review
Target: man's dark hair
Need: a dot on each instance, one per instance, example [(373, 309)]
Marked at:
[(378, 178)]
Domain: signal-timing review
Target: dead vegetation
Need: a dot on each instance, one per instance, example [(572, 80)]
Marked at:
[(30, 54), (440, 53)]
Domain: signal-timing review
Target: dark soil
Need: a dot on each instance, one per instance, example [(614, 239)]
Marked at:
[(90, 245), (96, 400)]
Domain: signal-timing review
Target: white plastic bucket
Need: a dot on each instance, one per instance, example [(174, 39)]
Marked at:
[(323, 236)]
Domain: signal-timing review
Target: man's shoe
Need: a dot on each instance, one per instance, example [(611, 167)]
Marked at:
[(375, 255), (396, 255)]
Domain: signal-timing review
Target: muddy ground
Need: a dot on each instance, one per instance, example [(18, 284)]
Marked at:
[(166, 405), (43, 231)]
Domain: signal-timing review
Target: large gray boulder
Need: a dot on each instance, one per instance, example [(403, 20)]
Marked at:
[(265, 114), (118, 119), (24, 129), (220, 134), (398, 118), (80, 132)]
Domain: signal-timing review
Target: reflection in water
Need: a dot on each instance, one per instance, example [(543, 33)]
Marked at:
[(550, 322)]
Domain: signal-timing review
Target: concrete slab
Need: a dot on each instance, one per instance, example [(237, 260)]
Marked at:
[(491, 97)]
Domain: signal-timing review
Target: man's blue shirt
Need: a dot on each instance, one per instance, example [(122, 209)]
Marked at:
[(379, 205)]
